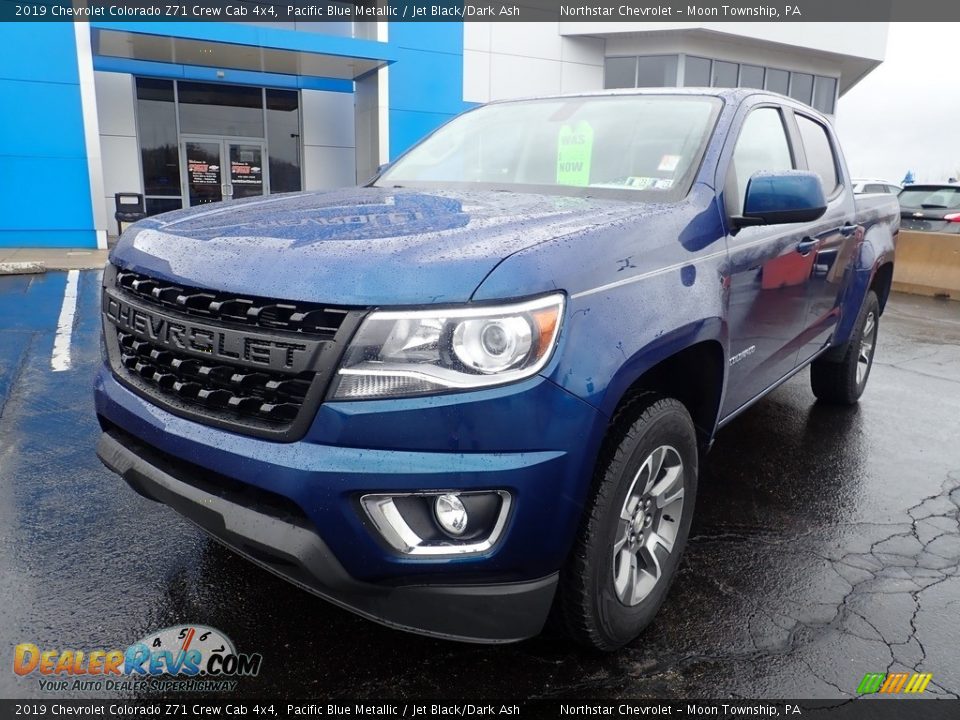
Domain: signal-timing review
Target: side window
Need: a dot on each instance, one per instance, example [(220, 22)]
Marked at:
[(820, 155), (762, 146), (868, 188)]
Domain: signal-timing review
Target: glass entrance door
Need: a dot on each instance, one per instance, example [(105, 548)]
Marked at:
[(222, 169), (204, 172), (246, 169)]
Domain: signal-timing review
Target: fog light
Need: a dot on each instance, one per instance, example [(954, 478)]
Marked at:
[(440, 522), (451, 514)]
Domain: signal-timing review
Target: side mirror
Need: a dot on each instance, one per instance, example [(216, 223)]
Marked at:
[(794, 196)]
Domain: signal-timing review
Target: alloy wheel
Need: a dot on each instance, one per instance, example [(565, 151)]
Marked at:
[(867, 340), (648, 525)]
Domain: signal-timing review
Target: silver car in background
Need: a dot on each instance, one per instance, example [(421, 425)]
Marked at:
[(869, 186)]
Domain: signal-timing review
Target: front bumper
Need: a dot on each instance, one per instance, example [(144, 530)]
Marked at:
[(294, 507), (502, 612)]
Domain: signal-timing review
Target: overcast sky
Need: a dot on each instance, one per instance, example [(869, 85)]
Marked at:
[(905, 115)]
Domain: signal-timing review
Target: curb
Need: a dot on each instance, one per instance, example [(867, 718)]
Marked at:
[(22, 268)]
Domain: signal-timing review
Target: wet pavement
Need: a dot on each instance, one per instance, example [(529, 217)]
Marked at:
[(825, 545)]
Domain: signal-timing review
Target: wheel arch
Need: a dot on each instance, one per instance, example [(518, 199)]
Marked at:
[(882, 283), (689, 367)]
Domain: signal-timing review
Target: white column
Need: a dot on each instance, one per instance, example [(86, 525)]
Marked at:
[(91, 130), (383, 100)]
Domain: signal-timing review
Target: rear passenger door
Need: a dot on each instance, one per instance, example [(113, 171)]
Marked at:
[(835, 234), (767, 301)]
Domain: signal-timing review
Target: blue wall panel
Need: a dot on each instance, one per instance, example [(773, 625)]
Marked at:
[(40, 193), (44, 184), (426, 82), (39, 51), (29, 122)]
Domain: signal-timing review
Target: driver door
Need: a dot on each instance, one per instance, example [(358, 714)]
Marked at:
[(769, 269)]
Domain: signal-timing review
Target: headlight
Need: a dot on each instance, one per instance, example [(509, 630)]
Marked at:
[(398, 353)]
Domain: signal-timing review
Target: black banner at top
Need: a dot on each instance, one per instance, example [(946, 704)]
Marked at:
[(179, 707), (620, 11)]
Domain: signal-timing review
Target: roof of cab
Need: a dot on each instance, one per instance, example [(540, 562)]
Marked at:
[(730, 96)]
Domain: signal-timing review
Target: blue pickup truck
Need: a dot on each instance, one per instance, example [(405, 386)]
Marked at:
[(475, 392)]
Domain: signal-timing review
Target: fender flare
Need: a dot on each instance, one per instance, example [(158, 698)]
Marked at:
[(876, 250), (662, 348)]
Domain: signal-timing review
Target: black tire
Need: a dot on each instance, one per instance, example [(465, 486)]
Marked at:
[(588, 606), (836, 382)]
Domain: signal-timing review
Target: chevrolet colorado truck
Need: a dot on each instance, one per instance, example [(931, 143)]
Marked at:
[(475, 392)]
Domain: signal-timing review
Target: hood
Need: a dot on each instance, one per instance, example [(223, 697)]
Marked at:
[(358, 246)]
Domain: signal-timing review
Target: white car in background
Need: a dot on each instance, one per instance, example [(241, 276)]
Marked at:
[(873, 185)]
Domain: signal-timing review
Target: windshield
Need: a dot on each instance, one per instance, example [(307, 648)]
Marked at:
[(641, 147), (935, 197)]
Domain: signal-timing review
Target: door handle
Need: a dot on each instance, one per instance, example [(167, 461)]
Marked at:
[(806, 245), (847, 230)]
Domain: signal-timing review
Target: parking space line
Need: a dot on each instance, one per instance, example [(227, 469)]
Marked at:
[(60, 359)]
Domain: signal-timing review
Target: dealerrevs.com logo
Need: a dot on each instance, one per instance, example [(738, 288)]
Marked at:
[(187, 657)]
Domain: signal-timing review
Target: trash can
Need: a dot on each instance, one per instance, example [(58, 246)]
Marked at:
[(130, 208)]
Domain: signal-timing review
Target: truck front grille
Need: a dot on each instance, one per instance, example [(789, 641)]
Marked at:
[(273, 397), (309, 318), (253, 365)]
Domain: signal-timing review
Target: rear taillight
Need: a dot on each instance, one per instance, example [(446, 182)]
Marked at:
[(952, 217)]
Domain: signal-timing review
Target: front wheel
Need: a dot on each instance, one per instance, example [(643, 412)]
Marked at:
[(842, 382), (635, 526)]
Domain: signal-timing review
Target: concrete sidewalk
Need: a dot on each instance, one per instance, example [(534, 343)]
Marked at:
[(15, 261)]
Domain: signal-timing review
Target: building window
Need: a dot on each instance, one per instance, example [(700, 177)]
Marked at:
[(661, 71), (825, 94), (224, 121), (751, 76), (657, 71), (696, 71), (283, 137), (157, 129), (725, 74), (778, 81), (801, 87), (620, 72), (212, 109), (644, 71)]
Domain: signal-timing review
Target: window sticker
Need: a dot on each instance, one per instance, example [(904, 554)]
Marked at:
[(668, 163), (574, 150), (663, 184), (641, 183)]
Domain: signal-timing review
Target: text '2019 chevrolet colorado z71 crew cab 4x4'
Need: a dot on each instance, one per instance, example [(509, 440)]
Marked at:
[(476, 390)]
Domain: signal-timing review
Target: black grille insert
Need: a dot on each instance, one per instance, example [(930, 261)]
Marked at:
[(274, 397), (298, 317), (261, 391)]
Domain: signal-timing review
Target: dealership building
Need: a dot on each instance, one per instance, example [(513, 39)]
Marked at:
[(186, 113)]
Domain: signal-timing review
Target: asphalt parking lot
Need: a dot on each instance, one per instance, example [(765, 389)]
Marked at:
[(826, 544)]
